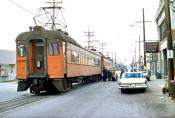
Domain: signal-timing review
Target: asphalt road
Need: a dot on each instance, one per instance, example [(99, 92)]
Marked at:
[(8, 90), (100, 100)]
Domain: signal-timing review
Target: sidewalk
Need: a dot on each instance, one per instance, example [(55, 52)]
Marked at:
[(160, 82), (8, 81)]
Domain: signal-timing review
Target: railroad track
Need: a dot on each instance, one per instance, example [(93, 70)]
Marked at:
[(30, 98), (19, 101)]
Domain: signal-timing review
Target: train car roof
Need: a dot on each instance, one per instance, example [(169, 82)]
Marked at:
[(48, 34)]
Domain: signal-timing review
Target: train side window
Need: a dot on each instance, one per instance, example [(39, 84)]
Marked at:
[(72, 56), (21, 50)]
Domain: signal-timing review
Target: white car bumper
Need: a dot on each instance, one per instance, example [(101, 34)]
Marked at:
[(133, 86)]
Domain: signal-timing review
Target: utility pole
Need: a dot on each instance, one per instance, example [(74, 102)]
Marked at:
[(102, 47), (107, 54), (169, 48), (144, 37), (115, 57), (135, 55), (143, 21), (89, 35), (139, 53)]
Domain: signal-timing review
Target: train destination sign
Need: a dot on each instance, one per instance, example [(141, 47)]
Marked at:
[(151, 47)]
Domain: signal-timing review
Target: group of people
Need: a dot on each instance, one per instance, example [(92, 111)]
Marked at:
[(109, 75)]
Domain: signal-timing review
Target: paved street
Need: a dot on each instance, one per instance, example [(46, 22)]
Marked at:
[(98, 100), (8, 90)]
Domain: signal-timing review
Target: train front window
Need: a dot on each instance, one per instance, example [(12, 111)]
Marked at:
[(21, 50), (53, 49), (50, 49)]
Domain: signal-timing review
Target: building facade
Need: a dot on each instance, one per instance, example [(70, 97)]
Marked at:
[(7, 65), (161, 28)]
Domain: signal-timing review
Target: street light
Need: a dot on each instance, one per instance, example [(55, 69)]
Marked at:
[(135, 26)]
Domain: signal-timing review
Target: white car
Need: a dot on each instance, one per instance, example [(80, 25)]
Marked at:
[(132, 80)]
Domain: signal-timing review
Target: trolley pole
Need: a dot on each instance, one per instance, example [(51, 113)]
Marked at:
[(169, 48)]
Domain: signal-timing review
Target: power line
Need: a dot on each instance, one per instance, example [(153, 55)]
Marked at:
[(21, 7)]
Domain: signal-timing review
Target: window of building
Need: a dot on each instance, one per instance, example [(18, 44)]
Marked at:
[(162, 30), (3, 70)]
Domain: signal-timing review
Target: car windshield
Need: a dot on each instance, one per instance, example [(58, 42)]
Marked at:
[(132, 75)]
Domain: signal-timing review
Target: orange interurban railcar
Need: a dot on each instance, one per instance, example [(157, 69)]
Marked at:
[(51, 61)]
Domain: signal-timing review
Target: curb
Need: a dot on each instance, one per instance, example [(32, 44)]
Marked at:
[(8, 81)]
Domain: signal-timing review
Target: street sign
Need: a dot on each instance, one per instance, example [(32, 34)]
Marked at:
[(169, 54), (151, 47)]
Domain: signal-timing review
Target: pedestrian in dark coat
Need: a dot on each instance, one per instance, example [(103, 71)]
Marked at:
[(104, 74), (122, 71), (109, 75)]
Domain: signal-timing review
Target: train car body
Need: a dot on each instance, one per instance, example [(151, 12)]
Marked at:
[(51, 61), (107, 63)]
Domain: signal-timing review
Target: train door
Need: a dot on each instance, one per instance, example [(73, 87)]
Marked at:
[(36, 57), (55, 58)]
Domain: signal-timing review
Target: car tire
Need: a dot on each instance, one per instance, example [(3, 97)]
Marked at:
[(122, 90), (143, 90), (164, 90), (148, 78)]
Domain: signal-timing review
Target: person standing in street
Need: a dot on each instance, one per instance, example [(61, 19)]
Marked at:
[(122, 71), (109, 75), (113, 75), (104, 74)]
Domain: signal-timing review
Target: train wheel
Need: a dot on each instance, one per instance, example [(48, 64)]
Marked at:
[(69, 84), (33, 90)]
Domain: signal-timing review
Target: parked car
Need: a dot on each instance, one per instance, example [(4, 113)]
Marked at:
[(146, 75), (132, 80)]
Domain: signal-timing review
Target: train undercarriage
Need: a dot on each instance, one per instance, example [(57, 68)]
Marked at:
[(37, 85)]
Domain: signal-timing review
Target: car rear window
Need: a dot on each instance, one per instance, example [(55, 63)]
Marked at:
[(132, 75)]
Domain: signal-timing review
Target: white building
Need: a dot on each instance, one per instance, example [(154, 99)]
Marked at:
[(7, 65)]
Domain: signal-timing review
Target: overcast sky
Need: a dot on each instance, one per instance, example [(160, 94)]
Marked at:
[(109, 19)]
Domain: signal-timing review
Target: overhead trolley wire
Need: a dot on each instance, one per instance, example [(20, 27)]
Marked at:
[(11, 1)]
